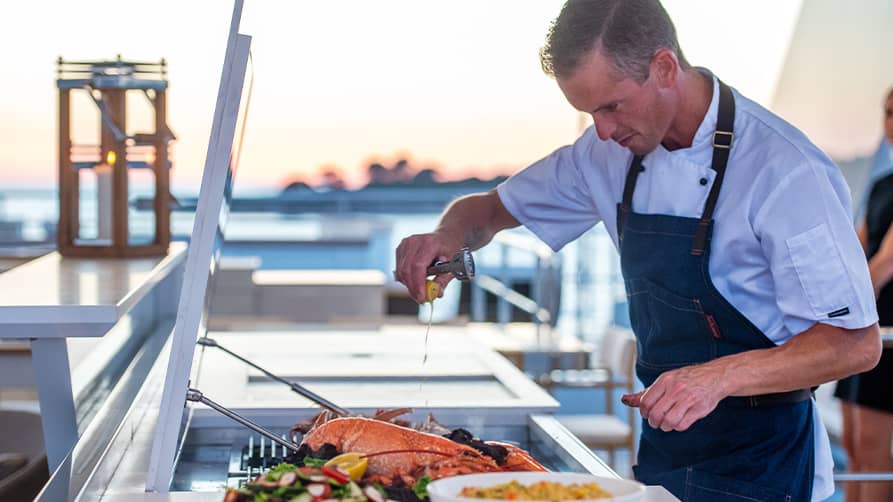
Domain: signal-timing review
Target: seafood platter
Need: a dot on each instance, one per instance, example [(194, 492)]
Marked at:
[(461, 393), (198, 415)]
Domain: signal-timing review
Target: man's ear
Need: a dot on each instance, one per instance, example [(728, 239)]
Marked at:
[(664, 68)]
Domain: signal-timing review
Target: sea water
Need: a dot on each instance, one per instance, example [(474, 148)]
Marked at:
[(591, 285)]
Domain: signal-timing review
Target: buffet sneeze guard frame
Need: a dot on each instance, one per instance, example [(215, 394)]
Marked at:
[(215, 197)]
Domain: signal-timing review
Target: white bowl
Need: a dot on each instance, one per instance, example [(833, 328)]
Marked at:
[(448, 489)]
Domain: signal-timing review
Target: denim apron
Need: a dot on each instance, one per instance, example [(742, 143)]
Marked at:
[(750, 448)]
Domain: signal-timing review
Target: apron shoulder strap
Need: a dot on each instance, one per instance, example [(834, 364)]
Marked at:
[(722, 146), (626, 204)]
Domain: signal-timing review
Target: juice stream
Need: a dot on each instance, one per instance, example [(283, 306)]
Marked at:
[(425, 354), (432, 292)]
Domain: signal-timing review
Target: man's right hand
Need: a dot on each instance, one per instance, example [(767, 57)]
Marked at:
[(470, 221), (415, 254)]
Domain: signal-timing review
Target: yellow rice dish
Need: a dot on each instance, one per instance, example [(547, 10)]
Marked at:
[(542, 490)]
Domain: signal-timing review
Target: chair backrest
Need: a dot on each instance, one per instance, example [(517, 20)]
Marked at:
[(618, 353), (22, 437)]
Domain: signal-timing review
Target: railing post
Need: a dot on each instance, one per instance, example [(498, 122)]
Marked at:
[(503, 308), (478, 303), (539, 332), (536, 290)]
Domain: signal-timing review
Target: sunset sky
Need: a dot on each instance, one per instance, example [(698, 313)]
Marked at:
[(453, 85)]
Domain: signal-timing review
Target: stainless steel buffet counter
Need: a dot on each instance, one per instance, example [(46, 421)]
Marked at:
[(462, 384)]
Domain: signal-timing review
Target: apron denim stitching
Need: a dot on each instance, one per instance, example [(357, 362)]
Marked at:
[(675, 307), (722, 302), (653, 232), (736, 495)]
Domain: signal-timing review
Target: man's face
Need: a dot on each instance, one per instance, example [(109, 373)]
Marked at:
[(888, 118), (623, 109)]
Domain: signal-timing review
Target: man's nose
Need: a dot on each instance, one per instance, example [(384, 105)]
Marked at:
[(604, 127)]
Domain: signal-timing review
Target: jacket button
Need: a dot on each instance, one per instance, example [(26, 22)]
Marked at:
[(703, 181)]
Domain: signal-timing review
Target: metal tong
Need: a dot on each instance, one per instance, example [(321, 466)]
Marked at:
[(295, 387), (196, 396)]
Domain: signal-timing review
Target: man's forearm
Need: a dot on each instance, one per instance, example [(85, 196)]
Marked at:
[(681, 397), (880, 266), (881, 269), (473, 220), (820, 354)]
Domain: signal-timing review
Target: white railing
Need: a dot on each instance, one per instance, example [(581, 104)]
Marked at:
[(545, 282)]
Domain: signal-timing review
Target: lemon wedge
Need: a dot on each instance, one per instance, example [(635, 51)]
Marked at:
[(432, 290), (354, 464)]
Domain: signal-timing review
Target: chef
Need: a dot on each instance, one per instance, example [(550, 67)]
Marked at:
[(747, 286)]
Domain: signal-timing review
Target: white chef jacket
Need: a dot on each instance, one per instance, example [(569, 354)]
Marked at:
[(784, 252)]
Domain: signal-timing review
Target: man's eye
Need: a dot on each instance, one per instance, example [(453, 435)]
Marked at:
[(611, 108)]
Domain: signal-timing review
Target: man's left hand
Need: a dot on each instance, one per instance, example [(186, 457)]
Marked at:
[(680, 397)]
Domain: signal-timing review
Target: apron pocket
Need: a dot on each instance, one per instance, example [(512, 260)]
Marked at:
[(678, 332), (704, 486)]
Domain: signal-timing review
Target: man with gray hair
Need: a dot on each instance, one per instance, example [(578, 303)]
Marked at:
[(742, 300)]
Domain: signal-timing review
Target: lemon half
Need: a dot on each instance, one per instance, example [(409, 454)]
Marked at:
[(354, 464), (432, 290)]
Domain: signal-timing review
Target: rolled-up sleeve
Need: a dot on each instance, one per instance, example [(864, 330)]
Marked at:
[(818, 266), (551, 197)]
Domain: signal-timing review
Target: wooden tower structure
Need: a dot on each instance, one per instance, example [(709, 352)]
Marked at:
[(107, 83)]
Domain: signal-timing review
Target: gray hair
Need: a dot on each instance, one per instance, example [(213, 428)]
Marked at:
[(629, 32)]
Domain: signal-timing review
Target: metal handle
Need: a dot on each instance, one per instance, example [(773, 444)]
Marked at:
[(297, 388), (846, 477), (461, 266), (196, 395)]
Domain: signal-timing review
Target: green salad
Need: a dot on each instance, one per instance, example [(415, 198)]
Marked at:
[(310, 483)]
